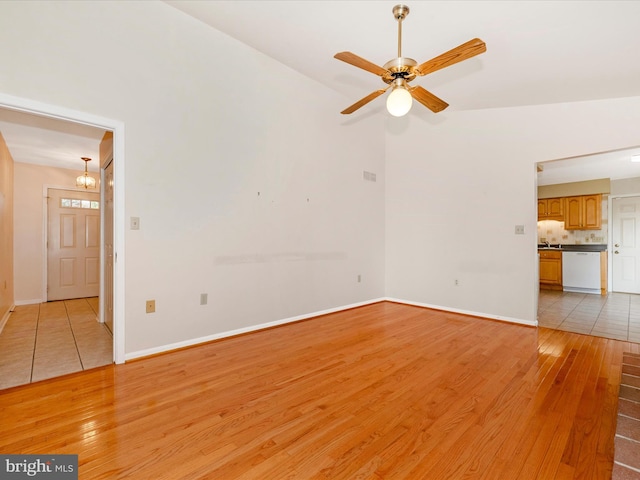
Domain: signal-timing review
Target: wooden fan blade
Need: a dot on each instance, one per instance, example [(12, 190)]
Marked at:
[(356, 61), (462, 52), (364, 101), (428, 99)]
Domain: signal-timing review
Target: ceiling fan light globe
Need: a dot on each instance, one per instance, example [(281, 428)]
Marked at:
[(399, 102)]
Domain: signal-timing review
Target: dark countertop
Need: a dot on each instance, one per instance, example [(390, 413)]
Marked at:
[(592, 247)]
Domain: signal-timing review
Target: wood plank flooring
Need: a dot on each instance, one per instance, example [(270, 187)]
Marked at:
[(385, 391)]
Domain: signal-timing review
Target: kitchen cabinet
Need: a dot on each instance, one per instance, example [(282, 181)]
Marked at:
[(550, 269), (583, 212), (551, 209)]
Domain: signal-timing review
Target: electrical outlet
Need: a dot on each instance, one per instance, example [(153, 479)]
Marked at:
[(519, 229), (456, 282), (151, 306), (203, 299)]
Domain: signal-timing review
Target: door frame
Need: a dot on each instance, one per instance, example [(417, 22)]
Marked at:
[(610, 236), (117, 127)]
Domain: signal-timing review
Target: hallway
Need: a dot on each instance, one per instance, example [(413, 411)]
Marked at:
[(47, 340)]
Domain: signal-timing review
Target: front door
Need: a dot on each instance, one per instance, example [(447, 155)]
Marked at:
[(73, 244), (625, 266)]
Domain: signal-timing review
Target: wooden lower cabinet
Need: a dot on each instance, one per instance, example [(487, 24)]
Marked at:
[(550, 270)]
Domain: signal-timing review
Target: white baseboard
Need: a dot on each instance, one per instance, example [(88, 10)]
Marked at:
[(5, 317), (531, 323), (30, 302), (262, 326), (239, 331)]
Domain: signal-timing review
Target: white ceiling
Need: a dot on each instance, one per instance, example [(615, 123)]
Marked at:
[(50, 142), (538, 52)]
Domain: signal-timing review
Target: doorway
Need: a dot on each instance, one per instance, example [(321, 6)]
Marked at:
[(117, 128), (625, 244)]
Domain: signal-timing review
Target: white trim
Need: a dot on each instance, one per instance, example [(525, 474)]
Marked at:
[(5, 317), (530, 323), (239, 331), (117, 127), (262, 326), (28, 302)]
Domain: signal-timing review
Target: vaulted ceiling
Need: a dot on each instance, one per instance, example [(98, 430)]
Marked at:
[(538, 52)]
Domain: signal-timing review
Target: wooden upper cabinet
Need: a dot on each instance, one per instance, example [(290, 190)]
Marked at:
[(583, 212), (573, 218), (542, 209), (551, 209), (592, 212), (555, 208)]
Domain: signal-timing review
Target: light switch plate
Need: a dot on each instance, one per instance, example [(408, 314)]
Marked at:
[(135, 223), (519, 229)]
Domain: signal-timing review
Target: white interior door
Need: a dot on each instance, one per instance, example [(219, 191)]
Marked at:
[(73, 244), (625, 251)]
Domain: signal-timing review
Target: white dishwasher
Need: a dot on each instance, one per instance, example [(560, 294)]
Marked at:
[(581, 272)]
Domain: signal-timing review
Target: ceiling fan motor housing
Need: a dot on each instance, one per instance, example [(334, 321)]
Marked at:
[(401, 67)]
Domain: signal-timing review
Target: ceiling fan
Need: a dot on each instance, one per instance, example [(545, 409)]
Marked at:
[(397, 73)]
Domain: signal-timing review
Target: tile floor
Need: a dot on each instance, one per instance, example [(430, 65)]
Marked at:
[(50, 339), (616, 315)]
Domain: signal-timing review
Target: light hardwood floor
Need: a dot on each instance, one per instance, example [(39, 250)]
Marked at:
[(385, 391), (46, 340)]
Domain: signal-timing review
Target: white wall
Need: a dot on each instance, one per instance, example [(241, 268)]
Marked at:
[(626, 186), (28, 226), (245, 195), (457, 186), (247, 181)]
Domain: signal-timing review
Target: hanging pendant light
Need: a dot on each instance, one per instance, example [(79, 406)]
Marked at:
[(85, 180)]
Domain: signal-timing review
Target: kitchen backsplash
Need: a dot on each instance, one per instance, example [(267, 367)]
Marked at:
[(553, 231)]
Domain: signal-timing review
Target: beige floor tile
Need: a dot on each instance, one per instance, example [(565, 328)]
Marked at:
[(578, 317), (45, 370), (14, 376), (618, 314), (16, 354), (575, 328), (598, 328), (51, 339)]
